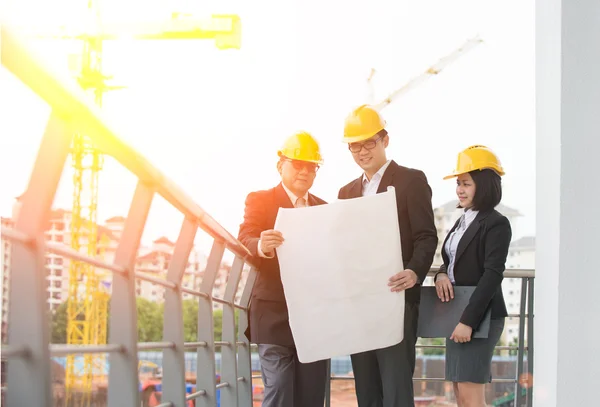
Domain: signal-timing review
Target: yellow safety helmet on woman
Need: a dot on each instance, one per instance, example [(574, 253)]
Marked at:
[(476, 158), (363, 123), (302, 147)]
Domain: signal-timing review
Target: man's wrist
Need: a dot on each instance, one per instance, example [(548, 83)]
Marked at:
[(268, 255)]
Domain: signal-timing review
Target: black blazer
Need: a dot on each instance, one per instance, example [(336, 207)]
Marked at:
[(269, 321), (480, 261), (418, 234)]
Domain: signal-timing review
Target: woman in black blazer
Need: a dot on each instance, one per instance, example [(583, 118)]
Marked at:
[(474, 254)]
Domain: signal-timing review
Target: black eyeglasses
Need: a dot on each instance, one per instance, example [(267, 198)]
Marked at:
[(299, 165), (369, 145)]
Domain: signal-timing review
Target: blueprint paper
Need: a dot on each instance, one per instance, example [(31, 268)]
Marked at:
[(335, 264)]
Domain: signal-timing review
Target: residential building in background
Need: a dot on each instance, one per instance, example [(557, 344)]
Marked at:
[(156, 263), (153, 260)]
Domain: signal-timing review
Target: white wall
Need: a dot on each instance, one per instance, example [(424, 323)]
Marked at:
[(568, 127)]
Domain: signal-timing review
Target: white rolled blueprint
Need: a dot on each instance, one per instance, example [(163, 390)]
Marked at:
[(335, 264)]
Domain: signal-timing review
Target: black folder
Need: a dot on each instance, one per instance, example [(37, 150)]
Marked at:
[(438, 319)]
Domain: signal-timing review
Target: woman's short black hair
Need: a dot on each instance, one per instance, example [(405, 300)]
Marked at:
[(488, 192)]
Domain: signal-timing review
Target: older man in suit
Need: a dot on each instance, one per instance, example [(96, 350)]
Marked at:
[(288, 383), (383, 377)]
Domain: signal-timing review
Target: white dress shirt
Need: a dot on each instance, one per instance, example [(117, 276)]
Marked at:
[(370, 187), (452, 243), (294, 199)]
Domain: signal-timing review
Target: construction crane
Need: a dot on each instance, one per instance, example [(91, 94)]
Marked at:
[(433, 70), (88, 299)]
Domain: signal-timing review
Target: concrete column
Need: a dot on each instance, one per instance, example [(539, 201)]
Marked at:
[(567, 289)]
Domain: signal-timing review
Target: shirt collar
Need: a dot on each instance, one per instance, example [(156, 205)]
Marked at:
[(470, 214), (292, 196), (378, 175)]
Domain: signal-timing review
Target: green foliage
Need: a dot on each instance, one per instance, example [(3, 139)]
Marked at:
[(190, 320), (433, 341), (515, 342), (58, 330), (150, 321)]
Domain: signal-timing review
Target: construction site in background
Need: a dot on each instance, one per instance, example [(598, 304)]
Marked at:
[(89, 288)]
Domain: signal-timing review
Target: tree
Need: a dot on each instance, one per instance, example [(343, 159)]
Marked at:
[(218, 324), (515, 342), (433, 341), (498, 352), (150, 320), (59, 324), (60, 321), (190, 320)]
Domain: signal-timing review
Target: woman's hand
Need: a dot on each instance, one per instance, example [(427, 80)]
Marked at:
[(462, 333), (443, 287)]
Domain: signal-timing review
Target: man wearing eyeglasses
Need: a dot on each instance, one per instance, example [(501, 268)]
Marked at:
[(383, 377), (288, 383)]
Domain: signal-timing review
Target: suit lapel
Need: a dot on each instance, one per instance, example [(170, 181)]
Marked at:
[(388, 177), (312, 201), (469, 235), (281, 197), (356, 188)]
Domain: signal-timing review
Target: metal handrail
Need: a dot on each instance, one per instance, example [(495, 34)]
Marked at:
[(29, 383), (71, 103)]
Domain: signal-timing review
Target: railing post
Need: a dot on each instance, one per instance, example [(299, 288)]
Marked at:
[(328, 385), (206, 370), (28, 376), (244, 351), (530, 342), (521, 351), (123, 381), (229, 371), (174, 359)]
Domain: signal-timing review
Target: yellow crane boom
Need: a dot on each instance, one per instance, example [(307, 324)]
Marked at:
[(433, 70)]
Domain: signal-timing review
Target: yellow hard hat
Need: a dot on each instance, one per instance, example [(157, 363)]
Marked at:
[(363, 123), (303, 147), (476, 158)]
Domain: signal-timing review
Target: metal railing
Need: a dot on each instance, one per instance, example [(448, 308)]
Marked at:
[(28, 373), (28, 370)]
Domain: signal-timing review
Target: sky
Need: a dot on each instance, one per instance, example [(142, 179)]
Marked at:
[(212, 120)]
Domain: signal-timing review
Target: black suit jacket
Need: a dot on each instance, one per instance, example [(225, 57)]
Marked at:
[(269, 322), (480, 261), (418, 234)]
